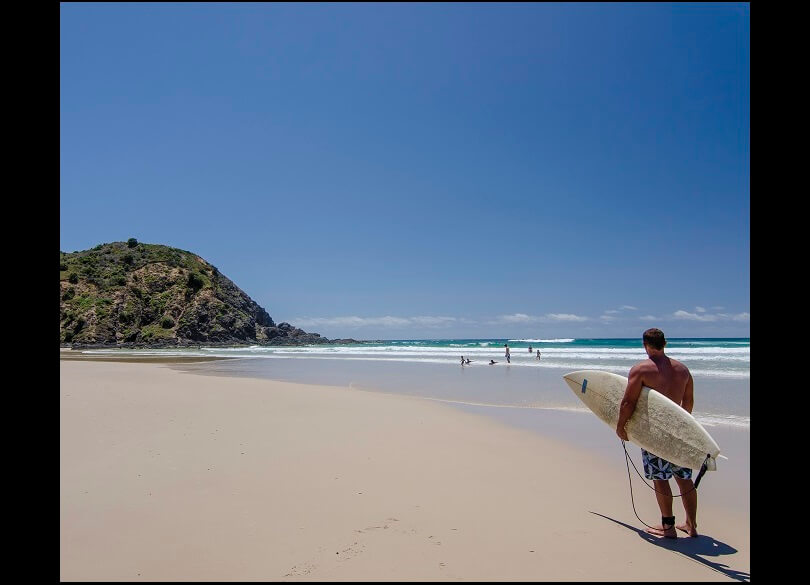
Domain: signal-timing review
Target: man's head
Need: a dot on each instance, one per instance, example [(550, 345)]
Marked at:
[(654, 339)]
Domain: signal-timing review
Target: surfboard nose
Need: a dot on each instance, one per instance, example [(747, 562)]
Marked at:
[(575, 380)]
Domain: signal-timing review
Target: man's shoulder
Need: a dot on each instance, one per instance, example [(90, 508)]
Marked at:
[(678, 364), (643, 365)]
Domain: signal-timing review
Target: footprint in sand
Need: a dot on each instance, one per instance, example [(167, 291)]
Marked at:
[(297, 570)]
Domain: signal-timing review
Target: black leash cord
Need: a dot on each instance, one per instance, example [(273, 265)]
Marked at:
[(630, 481)]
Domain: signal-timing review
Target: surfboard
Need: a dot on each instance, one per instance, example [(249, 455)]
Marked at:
[(658, 424)]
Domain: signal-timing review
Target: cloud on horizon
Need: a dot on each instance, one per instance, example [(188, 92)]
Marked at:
[(386, 321), (703, 316), (440, 321), (547, 318)]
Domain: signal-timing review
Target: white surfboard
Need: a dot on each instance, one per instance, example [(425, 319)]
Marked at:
[(658, 424)]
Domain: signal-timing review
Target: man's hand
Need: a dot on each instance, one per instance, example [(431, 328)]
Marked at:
[(622, 433)]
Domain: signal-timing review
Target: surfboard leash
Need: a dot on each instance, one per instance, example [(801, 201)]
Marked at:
[(628, 460)]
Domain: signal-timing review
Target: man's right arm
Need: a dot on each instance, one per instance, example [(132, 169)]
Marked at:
[(628, 405), (688, 400)]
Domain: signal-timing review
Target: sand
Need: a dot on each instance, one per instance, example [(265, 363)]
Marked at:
[(168, 475)]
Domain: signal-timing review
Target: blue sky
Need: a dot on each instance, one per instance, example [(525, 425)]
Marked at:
[(424, 170)]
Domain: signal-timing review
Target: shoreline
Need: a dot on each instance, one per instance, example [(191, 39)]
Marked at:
[(166, 475)]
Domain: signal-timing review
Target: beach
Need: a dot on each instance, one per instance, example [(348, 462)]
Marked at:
[(171, 475)]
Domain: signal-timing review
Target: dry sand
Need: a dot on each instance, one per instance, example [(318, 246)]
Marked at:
[(174, 476)]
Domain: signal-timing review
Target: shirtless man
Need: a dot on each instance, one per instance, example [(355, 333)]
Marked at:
[(672, 379)]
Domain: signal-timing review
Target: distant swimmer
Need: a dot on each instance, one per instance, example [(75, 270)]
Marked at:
[(530, 349), (462, 360), (491, 362), (467, 361), (507, 355), (538, 354)]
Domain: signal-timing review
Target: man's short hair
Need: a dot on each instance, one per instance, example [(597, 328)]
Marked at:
[(654, 337)]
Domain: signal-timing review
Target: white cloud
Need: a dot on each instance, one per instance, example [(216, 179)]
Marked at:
[(628, 308), (565, 317), (387, 321), (433, 321), (681, 314), (518, 318), (547, 318), (439, 321)]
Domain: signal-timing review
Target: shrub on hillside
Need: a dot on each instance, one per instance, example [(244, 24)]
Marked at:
[(195, 281), (73, 278), (132, 242), (167, 322)]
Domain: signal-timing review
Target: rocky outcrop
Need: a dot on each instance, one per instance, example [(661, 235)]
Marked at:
[(128, 294)]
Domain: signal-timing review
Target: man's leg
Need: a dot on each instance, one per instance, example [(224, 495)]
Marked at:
[(689, 498), (663, 494)]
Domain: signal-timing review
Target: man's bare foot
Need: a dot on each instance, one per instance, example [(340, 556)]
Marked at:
[(688, 529), (668, 532)]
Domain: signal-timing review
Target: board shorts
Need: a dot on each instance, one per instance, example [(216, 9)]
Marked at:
[(657, 468)]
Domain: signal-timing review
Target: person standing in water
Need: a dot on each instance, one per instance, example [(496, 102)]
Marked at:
[(508, 355)]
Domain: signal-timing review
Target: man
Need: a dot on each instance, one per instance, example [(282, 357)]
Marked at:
[(508, 356), (672, 379)]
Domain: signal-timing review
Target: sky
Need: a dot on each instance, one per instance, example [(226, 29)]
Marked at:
[(410, 171)]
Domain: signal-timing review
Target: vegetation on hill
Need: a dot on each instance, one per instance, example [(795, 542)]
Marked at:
[(130, 293)]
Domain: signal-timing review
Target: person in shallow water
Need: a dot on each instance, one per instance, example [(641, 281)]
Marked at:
[(672, 379), (492, 362)]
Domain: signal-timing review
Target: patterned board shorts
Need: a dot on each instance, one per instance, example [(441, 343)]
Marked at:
[(657, 468)]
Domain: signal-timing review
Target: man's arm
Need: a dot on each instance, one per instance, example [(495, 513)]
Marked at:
[(628, 405), (688, 400)]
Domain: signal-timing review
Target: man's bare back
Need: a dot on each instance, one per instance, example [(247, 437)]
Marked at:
[(666, 375)]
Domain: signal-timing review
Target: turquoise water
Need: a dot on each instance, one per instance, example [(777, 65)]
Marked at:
[(431, 368), (715, 358)]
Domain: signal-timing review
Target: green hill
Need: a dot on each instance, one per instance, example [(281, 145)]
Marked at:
[(134, 294)]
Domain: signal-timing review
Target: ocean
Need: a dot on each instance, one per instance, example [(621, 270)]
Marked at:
[(431, 369)]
